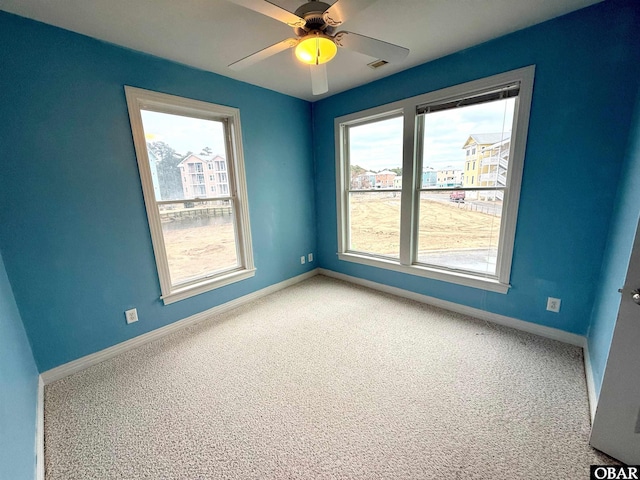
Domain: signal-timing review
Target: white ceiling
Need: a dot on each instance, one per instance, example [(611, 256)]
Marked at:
[(211, 34)]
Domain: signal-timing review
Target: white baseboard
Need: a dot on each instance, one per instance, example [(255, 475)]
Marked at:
[(95, 358), (40, 430), (80, 364), (543, 331), (591, 384)]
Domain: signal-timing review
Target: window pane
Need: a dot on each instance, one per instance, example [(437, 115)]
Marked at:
[(199, 238), (460, 229), (375, 223), (184, 153), (464, 147), (375, 155), (467, 146)]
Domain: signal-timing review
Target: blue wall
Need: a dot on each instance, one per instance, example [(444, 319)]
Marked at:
[(18, 390), (73, 229), (616, 258), (586, 68), (74, 232)]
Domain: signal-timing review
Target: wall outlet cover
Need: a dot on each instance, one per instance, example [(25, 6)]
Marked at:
[(553, 304), (131, 315)]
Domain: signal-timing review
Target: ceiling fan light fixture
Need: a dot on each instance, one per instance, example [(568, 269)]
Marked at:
[(316, 49)]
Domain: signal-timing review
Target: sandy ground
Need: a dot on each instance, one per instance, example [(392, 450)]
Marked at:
[(375, 228), (193, 252), (375, 225)]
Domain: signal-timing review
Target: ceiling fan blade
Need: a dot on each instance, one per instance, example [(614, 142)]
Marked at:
[(271, 10), (319, 82), (343, 10), (264, 53), (372, 47)]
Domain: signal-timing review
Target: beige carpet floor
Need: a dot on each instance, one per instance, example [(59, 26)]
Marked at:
[(327, 380)]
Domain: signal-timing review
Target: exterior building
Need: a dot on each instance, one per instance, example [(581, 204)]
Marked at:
[(429, 177), (364, 181), (494, 169), (204, 176), (476, 149), (449, 177), (486, 162), (385, 178), (397, 182)]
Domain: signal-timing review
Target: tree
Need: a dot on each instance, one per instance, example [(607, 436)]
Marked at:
[(207, 151), (169, 179), (397, 171), (356, 170)]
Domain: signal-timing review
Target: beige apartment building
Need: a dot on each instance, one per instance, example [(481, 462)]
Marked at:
[(449, 176)]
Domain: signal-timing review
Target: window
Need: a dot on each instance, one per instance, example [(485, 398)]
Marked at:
[(201, 240), (453, 231), (372, 205)]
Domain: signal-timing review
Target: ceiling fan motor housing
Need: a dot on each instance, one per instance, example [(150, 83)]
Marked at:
[(312, 13)]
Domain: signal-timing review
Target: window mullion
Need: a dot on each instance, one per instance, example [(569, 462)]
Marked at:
[(408, 202)]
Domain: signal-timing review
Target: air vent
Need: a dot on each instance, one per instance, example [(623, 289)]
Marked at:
[(377, 64)]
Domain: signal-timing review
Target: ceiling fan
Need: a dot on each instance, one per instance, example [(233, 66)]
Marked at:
[(316, 42)]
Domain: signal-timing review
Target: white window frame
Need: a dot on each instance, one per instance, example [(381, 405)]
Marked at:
[(139, 99), (410, 194)]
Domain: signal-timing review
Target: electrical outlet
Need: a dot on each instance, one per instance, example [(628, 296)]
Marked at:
[(310, 257), (131, 315), (553, 304), (302, 260)]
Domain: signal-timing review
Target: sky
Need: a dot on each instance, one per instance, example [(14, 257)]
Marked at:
[(376, 146), (184, 134)]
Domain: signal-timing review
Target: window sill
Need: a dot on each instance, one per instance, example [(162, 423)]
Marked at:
[(207, 285), (465, 279)]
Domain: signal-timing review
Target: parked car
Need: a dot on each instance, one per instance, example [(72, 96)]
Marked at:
[(457, 196)]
